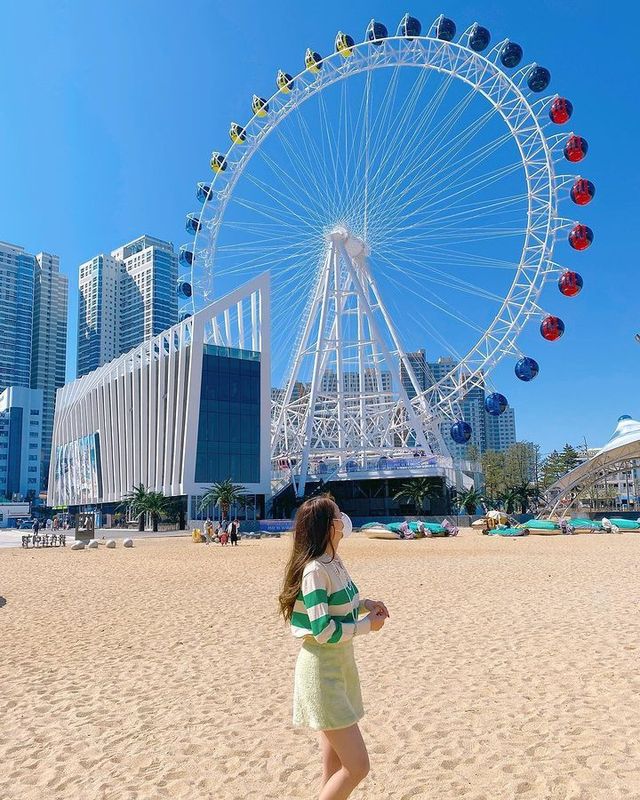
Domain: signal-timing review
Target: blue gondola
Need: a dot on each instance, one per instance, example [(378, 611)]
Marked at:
[(203, 192), (511, 55), (538, 78), (376, 32), (479, 38), (409, 27), (186, 256), (445, 29), (495, 404), (461, 432), (184, 289), (526, 369), (193, 223)]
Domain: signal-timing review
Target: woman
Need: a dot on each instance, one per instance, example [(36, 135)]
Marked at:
[(322, 604)]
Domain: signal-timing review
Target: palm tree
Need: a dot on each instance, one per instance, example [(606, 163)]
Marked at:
[(156, 504), (134, 502), (224, 495), (470, 499), (417, 491)]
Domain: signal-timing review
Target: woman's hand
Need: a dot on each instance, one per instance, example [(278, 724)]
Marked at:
[(377, 620), (376, 607)]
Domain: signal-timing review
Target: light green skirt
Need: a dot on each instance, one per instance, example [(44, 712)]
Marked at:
[(326, 690)]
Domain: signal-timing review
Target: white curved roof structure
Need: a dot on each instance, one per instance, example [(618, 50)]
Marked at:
[(624, 445)]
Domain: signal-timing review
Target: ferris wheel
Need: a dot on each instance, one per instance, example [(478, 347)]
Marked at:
[(404, 194)]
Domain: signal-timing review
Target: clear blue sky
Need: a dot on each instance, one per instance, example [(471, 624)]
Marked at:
[(110, 112)]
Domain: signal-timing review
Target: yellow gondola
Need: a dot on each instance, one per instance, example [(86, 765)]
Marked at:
[(284, 82), (344, 44), (237, 133), (312, 60), (218, 162), (259, 106)]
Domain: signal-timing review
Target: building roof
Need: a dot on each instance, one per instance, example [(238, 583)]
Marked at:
[(623, 445)]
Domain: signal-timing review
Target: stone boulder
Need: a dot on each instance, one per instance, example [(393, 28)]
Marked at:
[(111, 543), (92, 545), (77, 546), (127, 542)]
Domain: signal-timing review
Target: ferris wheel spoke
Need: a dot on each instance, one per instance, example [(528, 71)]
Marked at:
[(428, 172), (392, 150), (381, 145), (438, 302), (451, 191), (425, 270), (423, 139), (285, 197)]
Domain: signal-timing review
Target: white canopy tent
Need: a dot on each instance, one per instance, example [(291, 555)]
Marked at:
[(623, 446)]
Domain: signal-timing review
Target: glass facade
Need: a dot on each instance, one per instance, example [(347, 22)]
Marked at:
[(229, 420), (17, 270)]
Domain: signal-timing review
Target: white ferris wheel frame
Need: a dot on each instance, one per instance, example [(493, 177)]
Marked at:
[(484, 76)]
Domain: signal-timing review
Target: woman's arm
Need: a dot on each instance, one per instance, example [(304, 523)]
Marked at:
[(325, 628)]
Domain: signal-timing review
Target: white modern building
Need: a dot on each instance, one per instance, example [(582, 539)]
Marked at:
[(125, 298), (187, 408), (20, 442)]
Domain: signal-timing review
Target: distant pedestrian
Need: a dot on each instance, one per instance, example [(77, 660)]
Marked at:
[(36, 526), (56, 523), (235, 527), (208, 531), (49, 524)]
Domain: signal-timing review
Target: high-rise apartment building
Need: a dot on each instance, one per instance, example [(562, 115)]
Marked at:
[(20, 441), (49, 343), (33, 344), (125, 298), (17, 270), (487, 432)]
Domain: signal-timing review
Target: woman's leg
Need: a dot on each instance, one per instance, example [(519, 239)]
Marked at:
[(350, 748), (330, 761)]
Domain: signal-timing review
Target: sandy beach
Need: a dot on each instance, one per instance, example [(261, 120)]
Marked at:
[(508, 669)]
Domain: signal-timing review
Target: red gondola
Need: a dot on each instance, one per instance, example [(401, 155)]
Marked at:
[(580, 237), (576, 148), (570, 283), (551, 328), (560, 111), (582, 192)]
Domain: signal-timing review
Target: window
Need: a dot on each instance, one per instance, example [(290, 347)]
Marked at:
[(35, 412)]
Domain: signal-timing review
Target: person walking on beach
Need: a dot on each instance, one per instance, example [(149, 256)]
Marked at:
[(233, 534), (323, 605), (208, 530)]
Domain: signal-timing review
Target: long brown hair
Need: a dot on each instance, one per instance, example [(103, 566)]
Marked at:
[(311, 537)]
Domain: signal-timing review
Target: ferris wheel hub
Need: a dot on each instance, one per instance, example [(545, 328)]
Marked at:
[(354, 246)]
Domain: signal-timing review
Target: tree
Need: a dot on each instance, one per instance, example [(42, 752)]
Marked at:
[(417, 490), (552, 468), (134, 502), (493, 470), (570, 457), (224, 495), (155, 504), (519, 463), (470, 500)]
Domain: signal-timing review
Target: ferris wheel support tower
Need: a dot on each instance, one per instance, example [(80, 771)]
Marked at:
[(348, 330)]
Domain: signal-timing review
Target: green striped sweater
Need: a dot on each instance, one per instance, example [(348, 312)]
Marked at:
[(328, 604)]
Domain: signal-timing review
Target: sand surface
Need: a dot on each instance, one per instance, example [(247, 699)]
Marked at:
[(510, 668)]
